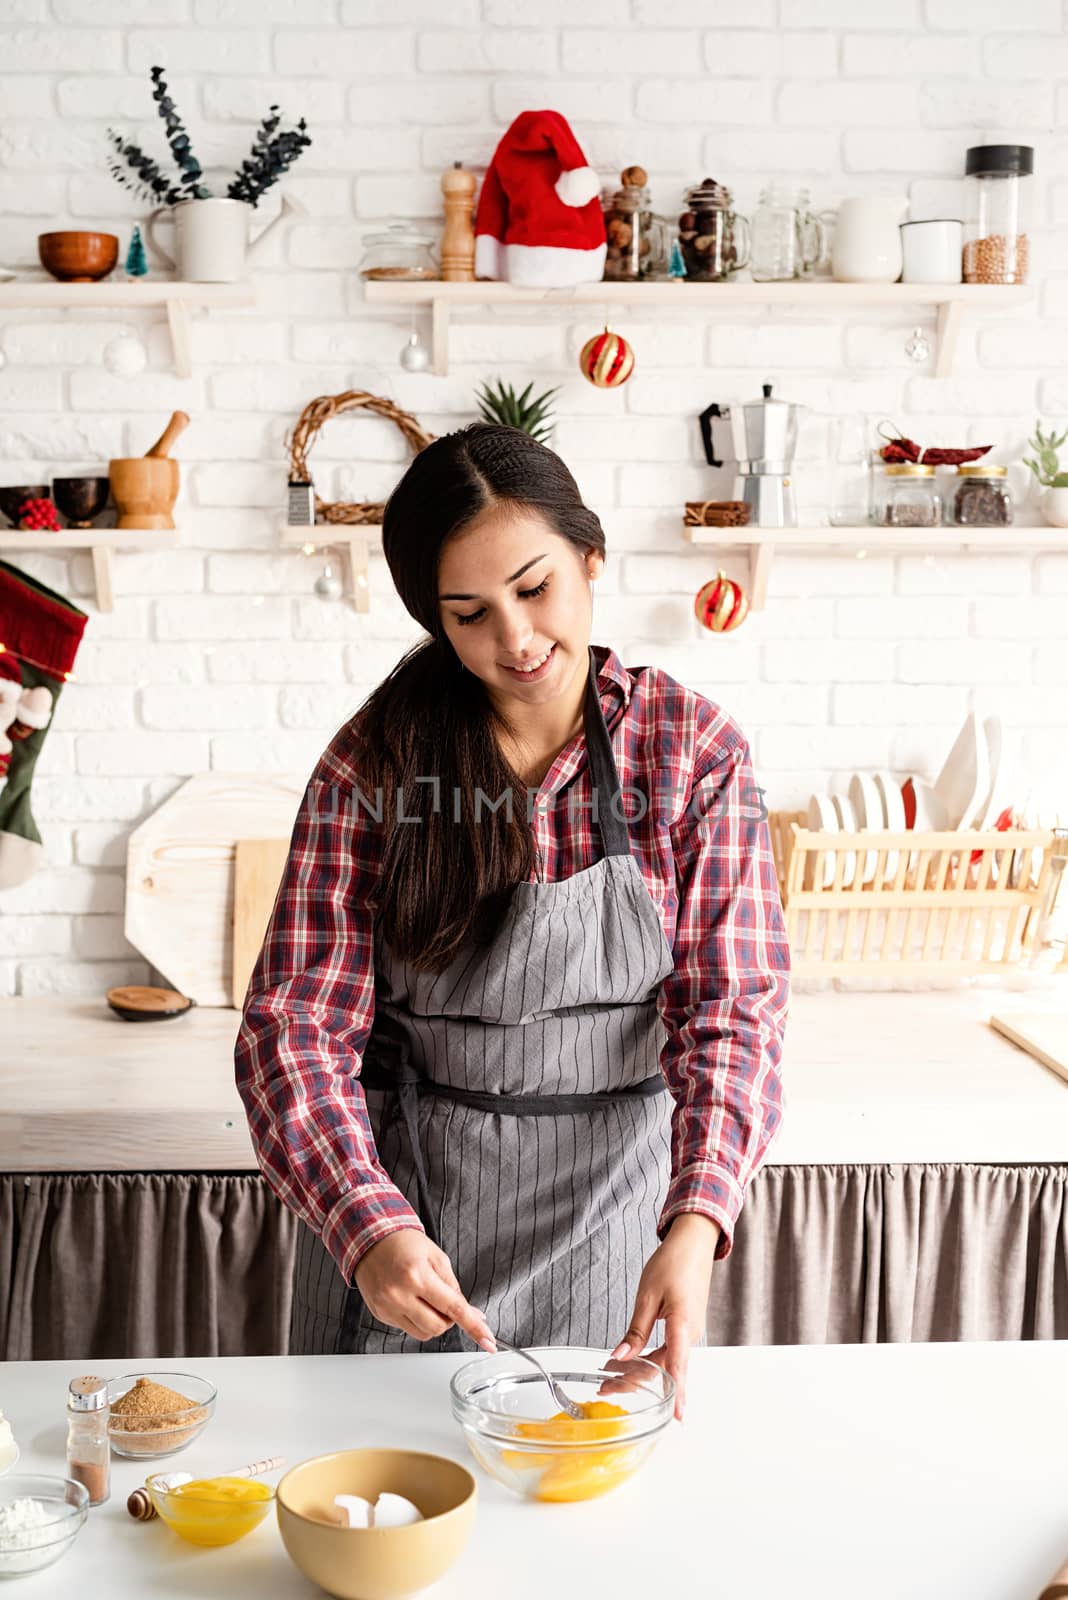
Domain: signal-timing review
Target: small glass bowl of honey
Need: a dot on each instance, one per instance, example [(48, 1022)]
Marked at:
[(515, 1431), (212, 1511)]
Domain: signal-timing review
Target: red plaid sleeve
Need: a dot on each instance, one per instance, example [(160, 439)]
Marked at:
[(725, 1003), (307, 1017)]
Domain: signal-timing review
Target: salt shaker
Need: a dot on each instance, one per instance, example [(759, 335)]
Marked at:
[(88, 1446)]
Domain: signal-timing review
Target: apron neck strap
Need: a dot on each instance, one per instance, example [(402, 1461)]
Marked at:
[(604, 775)]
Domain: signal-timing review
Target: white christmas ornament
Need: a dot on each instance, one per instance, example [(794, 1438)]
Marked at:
[(415, 357), (125, 357)]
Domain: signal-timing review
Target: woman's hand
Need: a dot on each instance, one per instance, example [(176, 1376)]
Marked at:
[(674, 1286), (407, 1282)]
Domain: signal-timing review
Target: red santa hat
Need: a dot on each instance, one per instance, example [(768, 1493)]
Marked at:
[(539, 221)]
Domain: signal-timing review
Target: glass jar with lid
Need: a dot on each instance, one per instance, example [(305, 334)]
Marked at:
[(638, 240), (983, 498), (911, 499), (399, 251), (997, 197)]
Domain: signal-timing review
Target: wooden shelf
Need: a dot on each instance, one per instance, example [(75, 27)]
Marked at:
[(174, 296), (352, 540), (951, 300), (100, 542), (760, 544)]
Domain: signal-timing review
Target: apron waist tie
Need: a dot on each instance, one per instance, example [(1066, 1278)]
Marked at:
[(407, 1083)]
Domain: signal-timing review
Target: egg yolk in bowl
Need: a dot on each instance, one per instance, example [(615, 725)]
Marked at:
[(580, 1474)]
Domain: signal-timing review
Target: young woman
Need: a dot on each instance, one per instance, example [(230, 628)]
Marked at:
[(510, 1049)]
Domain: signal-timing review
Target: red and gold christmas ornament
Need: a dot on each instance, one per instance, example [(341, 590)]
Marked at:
[(721, 604), (607, 360)]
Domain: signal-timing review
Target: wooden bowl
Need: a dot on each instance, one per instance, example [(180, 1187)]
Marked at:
[(144, 489), (78, 257), (13, 496), (80, 499), (376, 1563)]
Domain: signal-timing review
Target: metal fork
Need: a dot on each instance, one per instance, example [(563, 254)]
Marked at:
[(562, 1400)]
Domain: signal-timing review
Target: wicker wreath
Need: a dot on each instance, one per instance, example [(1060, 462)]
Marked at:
[(311, 419)]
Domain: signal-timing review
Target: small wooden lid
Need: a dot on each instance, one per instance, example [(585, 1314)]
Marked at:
[(141, 1003)]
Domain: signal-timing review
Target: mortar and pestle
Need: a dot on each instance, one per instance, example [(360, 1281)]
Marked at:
[(145, 488)]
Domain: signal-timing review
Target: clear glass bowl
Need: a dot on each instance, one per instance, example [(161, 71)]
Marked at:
[(507, 1416), (210, 1518), (68, 1505), (169, 1433)]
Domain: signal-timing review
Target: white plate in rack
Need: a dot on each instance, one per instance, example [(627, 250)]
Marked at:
[(822, 818), (847, 823), (889, 791), (964, 781), (867, 807)]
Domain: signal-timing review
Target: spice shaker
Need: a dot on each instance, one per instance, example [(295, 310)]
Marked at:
[(88, 1446)]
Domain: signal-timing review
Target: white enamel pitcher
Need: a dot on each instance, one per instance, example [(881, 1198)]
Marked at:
[(212, 238)]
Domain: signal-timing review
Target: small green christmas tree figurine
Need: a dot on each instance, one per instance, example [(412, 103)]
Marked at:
[(136, 260)]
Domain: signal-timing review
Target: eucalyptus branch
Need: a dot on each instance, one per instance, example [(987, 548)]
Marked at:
[(272, 154), (150, 182), (178, 139)]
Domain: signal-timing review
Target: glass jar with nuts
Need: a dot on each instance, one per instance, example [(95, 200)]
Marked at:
[(713, 238), (638, 240)]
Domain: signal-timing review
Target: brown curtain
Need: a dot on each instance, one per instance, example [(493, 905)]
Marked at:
[(162, 1266), (142, 1265), (857, 1254)]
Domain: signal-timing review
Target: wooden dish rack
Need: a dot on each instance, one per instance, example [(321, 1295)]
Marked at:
[(905, 904)]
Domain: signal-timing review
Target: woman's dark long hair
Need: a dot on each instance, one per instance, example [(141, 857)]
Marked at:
[(446, 880)]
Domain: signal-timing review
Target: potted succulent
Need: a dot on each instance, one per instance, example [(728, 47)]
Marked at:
[(212, 231), (1046, 468), (532, 414)]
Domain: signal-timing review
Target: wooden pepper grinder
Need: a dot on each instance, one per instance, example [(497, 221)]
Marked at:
[(458, 239)]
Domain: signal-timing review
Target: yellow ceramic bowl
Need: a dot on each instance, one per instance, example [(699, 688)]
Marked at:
[(220, 1512), (376, 1563), (511, 1425)]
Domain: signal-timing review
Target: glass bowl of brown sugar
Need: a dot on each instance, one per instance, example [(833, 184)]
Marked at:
[(158, 1413)]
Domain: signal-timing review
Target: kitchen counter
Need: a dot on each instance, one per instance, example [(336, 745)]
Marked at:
[(874, 1078), (918, 1188), (819, 1472)]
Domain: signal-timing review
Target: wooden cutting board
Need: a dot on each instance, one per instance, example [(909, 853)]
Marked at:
[(1044, 1034), (180, 874), (258, 867)]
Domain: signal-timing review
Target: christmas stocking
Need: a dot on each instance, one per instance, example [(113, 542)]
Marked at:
[(39, 637)]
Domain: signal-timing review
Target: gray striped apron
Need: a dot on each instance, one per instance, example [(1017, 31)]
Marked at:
[(517, 1102)]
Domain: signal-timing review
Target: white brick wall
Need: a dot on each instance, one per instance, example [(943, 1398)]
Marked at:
[(218, 655)]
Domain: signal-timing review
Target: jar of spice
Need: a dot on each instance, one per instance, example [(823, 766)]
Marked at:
[(911, 499), (983, 499), (399, 251), (997, 194), (88, 1446), (714, 240), (638, 240)]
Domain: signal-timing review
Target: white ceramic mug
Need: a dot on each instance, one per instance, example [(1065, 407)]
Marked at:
[(867, 240), (211, 237), (931, 250)]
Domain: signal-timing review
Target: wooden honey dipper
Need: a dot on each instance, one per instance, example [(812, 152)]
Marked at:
[(141, 1508)]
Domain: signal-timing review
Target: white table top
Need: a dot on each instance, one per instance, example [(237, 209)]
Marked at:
[(873, 1077), (818, 1472)]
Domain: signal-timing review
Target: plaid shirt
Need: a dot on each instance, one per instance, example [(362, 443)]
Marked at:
[(703, 849)]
